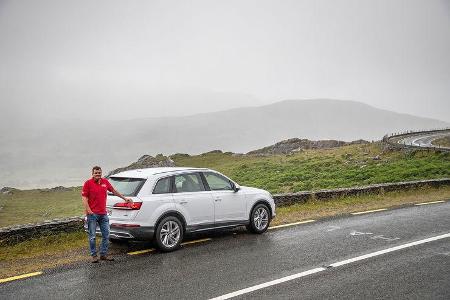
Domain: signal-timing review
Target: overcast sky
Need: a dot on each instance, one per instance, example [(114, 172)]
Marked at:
[(130, 59)]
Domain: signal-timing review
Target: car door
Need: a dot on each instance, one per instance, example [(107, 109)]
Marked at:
[(229, 205), (193, 200)]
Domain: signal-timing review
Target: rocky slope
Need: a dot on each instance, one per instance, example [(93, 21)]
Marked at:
[(295, 145)]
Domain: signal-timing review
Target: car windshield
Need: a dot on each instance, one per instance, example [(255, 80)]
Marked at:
[(127, 186)]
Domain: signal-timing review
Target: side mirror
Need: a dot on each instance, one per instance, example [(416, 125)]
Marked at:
[(236, 187)]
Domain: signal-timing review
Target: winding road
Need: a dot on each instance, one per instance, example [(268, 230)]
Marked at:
[(424, 139)]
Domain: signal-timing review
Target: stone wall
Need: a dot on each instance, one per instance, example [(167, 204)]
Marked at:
[(19, 233), (324, 195), (15, 234)]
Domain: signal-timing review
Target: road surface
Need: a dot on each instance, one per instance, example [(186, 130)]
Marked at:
[(393, 254), (424, 140)]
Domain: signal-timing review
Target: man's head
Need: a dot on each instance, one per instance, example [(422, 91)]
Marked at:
[(96, 173)]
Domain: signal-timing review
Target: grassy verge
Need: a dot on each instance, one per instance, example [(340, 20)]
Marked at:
[(48, 252)]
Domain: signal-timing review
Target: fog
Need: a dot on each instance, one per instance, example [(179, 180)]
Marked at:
[(92, 60), (70, 68)]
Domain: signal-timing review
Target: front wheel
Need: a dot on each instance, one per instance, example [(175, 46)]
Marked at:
[(169, 234), (259, 219)]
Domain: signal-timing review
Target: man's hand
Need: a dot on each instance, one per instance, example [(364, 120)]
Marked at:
[(87, 209), (128, 200)]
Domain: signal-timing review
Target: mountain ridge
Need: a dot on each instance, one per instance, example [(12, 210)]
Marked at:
[(37, 156)]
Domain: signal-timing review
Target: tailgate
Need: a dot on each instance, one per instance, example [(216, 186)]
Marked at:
[(120, 214)]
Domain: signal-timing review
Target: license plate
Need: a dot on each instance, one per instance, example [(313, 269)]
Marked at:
[(109, 212)]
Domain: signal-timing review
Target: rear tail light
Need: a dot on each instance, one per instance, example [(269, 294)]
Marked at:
[(128, 205)]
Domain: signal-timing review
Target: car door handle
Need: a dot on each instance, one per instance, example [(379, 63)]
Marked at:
[(183, 202), (218, 199)]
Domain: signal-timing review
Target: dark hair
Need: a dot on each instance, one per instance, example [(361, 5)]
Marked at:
[(96, 168)]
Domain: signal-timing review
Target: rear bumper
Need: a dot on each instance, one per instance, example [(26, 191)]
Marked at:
[(142, 233)]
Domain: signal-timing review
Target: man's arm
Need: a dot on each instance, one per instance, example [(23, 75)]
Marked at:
[(113, 190), (86, 206)]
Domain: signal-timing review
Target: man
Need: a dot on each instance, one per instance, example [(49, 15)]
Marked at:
[(94, 200)]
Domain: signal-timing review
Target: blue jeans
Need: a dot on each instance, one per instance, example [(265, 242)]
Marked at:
[(103, 222)]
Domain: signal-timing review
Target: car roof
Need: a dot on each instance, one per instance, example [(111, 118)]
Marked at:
[(149, 172)]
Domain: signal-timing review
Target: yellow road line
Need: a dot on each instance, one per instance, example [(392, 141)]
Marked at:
[(141, 251), (195, 242), (152, 249), (368, 211), (291, 224), (425, 203), (20, 277)]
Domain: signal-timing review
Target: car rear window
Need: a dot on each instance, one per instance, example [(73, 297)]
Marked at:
[(127, 186)]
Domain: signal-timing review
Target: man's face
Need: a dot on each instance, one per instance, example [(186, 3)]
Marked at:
[(97, 174)]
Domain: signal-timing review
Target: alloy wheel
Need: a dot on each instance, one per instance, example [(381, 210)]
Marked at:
[(261, 218), (170, 234)]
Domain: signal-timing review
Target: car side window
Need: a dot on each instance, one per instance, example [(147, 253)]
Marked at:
[(186, 183), (217, 182), (162, 186)]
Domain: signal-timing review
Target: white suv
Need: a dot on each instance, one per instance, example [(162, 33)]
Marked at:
[(168, 202)]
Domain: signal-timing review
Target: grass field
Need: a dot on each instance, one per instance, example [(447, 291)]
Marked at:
[(347, 166), (30, 206)]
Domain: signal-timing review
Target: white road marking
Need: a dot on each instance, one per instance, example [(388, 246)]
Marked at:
[(291, 224), (337, 264), (426, 203), (368, 211), (267, 284), (333, 228), (382, 237), (347, 261), (354, 232)]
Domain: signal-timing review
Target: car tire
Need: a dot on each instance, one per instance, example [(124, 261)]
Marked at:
[(259, 219), (169, 234)]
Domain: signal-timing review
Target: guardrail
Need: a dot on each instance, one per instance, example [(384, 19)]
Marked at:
[(387, 140), (16, 234)]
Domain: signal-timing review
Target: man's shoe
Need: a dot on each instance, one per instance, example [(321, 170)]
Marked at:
[(94, 259), (107, 258)]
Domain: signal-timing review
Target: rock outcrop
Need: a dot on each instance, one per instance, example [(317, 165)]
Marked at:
[(295, 145), (146, 161)]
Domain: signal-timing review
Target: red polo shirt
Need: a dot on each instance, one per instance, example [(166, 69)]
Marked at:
[(96, 194)]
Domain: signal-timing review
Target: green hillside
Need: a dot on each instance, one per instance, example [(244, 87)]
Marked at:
[(347, 166)]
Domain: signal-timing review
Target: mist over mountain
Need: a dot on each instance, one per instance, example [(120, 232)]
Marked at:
[(49, 153)]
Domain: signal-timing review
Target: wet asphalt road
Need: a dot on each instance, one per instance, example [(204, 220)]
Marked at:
[(423, 140), (234, 261)]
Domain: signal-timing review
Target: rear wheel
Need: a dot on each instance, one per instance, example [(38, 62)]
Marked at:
[(169, 234), (259, 219)]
